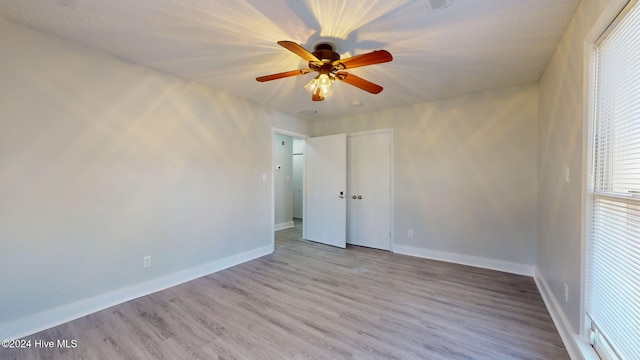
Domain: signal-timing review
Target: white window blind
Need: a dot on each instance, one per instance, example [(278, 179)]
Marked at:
[(613, 288)]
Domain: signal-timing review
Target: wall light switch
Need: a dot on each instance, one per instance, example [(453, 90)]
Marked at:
[(567, 174)]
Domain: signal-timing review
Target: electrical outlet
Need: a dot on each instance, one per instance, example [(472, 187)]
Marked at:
[(566, 292), (146, 261), (410, 233)]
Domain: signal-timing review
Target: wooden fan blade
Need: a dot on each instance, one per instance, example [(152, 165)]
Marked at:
[(375, 57), (298, 50), (359, 82), (283, 75)]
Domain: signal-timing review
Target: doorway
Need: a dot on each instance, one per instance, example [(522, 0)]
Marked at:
[(297, 179), (322, 160), (288, 180)]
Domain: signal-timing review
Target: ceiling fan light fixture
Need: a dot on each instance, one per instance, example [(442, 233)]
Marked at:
[(320, 85), (329, 66)]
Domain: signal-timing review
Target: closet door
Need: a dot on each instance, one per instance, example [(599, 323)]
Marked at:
[(369, 196), (325, 184)]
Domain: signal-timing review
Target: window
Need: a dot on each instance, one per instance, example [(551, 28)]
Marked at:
[(613, 271)]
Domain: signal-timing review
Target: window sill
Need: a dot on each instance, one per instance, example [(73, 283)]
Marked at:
[(586, 350)]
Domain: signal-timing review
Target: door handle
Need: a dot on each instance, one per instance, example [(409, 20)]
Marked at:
[(360, 197), (354, 197)]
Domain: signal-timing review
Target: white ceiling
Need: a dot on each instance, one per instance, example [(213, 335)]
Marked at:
[(466, 47)]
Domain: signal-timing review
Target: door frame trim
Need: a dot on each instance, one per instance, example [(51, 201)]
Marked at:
[(391, 177), (295, 135)]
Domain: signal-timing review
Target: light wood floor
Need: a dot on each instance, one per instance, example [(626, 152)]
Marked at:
[(311, 301)]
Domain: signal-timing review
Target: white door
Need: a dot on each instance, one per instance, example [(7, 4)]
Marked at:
[(325, 190), (369, 196)]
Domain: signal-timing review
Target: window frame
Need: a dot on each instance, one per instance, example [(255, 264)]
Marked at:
[(609, 19)]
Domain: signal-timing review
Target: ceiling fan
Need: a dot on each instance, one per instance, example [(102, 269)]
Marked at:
[(328, 64)]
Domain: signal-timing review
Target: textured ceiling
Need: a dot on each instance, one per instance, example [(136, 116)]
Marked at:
[(465, 47)]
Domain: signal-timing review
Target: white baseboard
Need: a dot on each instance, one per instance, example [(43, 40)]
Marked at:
[(284, 225), (570, 338), (476, 261), (60, 315)]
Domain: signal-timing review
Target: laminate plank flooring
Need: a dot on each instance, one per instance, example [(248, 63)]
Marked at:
[(312, 301)]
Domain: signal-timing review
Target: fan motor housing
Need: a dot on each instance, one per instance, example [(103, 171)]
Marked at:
[(324, 52)]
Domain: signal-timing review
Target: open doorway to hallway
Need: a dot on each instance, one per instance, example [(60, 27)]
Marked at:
[(288, 170)]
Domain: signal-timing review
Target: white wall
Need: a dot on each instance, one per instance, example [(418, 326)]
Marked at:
[(298, 146), (561, 130), (103, 162), (283, 181), (465, 176)]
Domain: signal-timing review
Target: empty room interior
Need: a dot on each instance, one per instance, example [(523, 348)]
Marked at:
[(316, 179)]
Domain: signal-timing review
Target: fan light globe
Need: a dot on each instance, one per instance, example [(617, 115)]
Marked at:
[(324, 81), (325, 91), (312, 85)]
